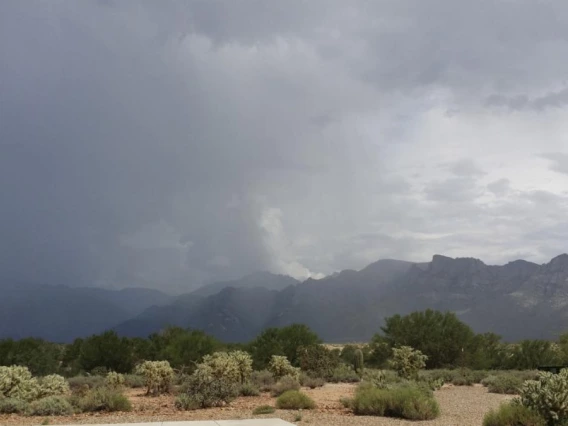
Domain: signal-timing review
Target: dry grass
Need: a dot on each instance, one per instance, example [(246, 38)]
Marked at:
[(464, 406)]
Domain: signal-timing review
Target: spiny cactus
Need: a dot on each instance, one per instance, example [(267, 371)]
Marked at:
[(244, 364), (53, 385), (17, 382), (407, 362), (158, 376), (547, 395), (114, 380), (358, 362), (280, 367)]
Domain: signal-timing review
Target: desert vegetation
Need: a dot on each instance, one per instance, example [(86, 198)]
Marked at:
[(399, 373)]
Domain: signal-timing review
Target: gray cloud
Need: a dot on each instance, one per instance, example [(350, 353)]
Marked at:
[(174, 143)]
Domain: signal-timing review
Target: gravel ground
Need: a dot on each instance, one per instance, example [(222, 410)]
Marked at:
[(460, 406)]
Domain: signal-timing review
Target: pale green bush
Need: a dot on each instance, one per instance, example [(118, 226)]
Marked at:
[(280, 367), (407, 362), (53, 385), (263, 380), (203, 389), (222, 366), (50, 406), (12, 406), (285, 384), (114, 380), (158, 376), (17, 382), (547, 396), (244, 364)]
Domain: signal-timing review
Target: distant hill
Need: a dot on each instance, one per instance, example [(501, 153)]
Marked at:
[(60, 314), (517, 300), (259, 279)]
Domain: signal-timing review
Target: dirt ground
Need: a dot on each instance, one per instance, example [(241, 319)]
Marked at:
[(460, 406)]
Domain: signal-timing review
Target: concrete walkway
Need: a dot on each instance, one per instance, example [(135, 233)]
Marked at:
[(253, 422)]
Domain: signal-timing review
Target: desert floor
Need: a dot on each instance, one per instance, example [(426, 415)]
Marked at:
[(460, 406)]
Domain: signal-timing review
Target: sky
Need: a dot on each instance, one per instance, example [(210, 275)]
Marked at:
[(171, 143)]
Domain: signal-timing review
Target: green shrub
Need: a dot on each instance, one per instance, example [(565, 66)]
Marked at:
[(17, 382), (158, 376), (284, 384), (134, 381), (12, 406), (406, 401), (80, 383), (312, 382), (186, 402), (407, 362), (513, 415), (263, 409), (548, 396), (248, 389), (317, 360), (460, 380), (102, 399), (343, 374), (263, 380), (280, 367), (504, 383), (50, 406), (294, 400), (114, 380)]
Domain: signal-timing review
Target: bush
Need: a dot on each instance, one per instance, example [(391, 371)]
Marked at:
[(513, 415), (186, 402), (317, 360), (280, 367), (407, 402), (263, 409), (248, 389), (284, 384), (102, 399), (311, 382), (547, 396), (343, 374), (158, 376), (50, 406), (295, 400), (12, 406), (407, 362), (114, 380), (134, 381), (81, 383), (17, 382), (263, 380), (53, 385), (504, 383)]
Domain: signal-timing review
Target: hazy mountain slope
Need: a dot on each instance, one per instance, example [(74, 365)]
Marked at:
[(60, 314), (259, 279)]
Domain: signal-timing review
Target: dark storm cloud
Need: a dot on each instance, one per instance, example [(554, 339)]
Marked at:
[(168, 143)]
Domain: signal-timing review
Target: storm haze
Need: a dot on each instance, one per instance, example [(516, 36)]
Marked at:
[(167, 144)]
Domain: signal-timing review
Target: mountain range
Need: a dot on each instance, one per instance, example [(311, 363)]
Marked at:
[(517, 300)]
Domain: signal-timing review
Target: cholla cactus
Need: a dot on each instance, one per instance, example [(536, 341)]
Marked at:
[(222, 366), (244, 364), (114, 380), (158, 376), (407, 362), (280, 367), (53, 385), (17, 382), (548, 395)]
